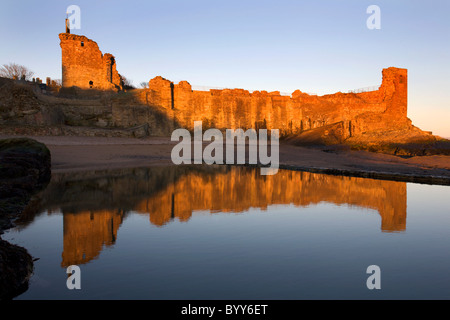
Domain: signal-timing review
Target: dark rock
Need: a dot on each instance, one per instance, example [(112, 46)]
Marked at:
[(25, 168), (16, 266)]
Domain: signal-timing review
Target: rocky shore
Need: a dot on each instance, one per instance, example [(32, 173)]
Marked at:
[(25, 168)]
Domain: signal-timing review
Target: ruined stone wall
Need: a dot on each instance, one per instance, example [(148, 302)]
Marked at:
[(237, 108), (84, 65), (347, 114), (165, 106)]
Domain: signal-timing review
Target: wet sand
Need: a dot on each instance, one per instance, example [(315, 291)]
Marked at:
[(92, 153)]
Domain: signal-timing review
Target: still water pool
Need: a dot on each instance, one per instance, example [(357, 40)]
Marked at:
[(230, 233)]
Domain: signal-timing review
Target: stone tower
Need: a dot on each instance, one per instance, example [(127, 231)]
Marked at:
[(84, 65)]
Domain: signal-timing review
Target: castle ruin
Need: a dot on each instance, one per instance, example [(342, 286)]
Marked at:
[(341, 115), (84, 65)]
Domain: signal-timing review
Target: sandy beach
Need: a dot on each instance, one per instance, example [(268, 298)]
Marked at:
[(94, 153)]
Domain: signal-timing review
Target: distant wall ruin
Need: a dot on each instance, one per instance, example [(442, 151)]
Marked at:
[(238, 108)]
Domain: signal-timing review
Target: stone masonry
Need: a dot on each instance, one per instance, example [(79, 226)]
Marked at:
[(84, 65), (355, 113), (342, 115)]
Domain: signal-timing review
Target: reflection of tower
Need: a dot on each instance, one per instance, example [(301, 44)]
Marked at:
[(86, 233), (67, 25)]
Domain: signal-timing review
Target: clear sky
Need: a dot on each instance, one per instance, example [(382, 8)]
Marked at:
[(317, 46)]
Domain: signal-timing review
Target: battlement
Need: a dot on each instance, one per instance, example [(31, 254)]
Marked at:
[(74, 37)]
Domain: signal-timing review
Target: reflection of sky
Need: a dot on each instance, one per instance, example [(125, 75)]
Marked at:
[(426, 204), (316, 46), (284, 252)]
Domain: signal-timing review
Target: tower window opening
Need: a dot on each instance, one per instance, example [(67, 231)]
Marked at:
[(82, 43), (91, 84)]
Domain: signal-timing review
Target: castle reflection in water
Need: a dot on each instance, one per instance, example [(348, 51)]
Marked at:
[(94, 204)]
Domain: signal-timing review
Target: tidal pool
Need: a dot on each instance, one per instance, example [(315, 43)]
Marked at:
[(217, 232)]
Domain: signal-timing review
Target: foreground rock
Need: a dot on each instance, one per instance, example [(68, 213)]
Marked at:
[(24, 170), (16, 266), (405, 141)]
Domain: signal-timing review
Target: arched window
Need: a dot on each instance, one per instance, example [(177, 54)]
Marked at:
[(91, 84)]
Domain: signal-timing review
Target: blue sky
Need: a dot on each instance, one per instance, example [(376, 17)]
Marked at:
[(320, 46)]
